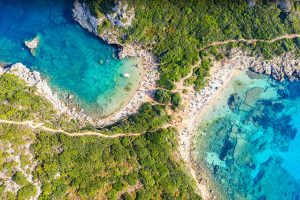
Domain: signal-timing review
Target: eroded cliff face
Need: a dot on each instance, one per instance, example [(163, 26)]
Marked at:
[(122, 14)]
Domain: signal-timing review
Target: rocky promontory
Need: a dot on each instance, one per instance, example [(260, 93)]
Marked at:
[(34, 79), (280, 68), (83, 16)]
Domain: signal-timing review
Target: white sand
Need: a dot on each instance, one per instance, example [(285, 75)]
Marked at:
[(196, 104)]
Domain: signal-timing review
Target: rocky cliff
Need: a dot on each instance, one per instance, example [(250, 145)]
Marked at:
[(284, 5)]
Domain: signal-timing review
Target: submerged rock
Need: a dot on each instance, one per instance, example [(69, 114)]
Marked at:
[(283, 93), (259, 176), (252, 95), (284, 127), (234, 102), (278, 107), (228, 145), (254, 75)]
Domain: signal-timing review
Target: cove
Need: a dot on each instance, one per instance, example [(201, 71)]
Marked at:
[(249, 139), (72, 59)]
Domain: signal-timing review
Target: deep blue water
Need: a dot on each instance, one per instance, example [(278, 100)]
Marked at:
[(250, 139), (68, 55)]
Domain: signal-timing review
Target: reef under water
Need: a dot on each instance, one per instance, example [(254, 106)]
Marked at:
[(249, 140)]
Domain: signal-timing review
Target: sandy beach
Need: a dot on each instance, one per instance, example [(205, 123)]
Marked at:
[(143, 93), (196, 104), (148, 63)]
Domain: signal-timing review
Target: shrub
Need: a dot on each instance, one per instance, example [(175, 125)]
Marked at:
[(20, 179), (162, 96), (26, 192)]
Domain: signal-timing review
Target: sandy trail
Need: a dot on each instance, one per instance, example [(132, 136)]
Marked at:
[(41, 126), (250, 41)]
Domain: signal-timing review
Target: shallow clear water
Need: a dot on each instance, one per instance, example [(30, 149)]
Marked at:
[(74, 60), (249, 139)]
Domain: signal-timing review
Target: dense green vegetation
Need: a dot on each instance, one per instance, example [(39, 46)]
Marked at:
[(176, 30), (167, 97), (20, 179), (20, 102), (149, 118), (13, 141), (144, 167), (26, 192), (94, 167)]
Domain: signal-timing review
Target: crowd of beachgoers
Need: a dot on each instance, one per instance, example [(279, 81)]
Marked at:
[(282, 67), (194, 103)]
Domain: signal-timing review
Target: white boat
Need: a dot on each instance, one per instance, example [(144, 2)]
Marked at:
[(126, 75)]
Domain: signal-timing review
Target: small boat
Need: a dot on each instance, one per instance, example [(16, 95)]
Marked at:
[(126, 75)]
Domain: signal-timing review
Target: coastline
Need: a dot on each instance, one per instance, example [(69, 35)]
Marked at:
[(196, 103), (34, 79), (148, 63), (141, 94)]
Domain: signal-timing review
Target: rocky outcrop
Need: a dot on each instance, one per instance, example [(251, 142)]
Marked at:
[(34, 79), (33, 44), (284, 5), (251, 3), (280, 68), (83, 16), (122, 15)]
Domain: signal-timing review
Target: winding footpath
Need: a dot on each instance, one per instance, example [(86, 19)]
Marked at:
[(41, 126), (247, 41), (180, 86), (178, 120), (252, 41)]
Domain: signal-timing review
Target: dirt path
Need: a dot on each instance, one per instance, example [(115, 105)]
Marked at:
[(180, 85), (252, 41), (178, 116), (41, 126)]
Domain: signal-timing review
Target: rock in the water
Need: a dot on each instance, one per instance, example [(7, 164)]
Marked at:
[(33, 44), (225, 149), (259, 176), (278, 107), (234, 102), (70, 97)]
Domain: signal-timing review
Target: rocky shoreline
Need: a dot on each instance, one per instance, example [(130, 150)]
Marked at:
[(34, 79), (280, 68)]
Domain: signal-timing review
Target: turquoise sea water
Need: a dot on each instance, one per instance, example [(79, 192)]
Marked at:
[(249, 139), (74, 60)]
